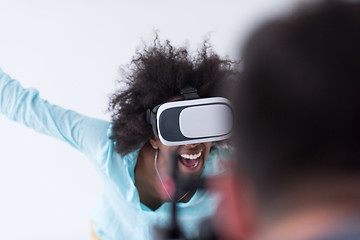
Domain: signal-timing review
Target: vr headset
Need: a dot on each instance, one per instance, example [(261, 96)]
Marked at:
[(193, 120)]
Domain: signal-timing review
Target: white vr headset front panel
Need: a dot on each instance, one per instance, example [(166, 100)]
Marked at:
[(194, 121), (211, 120)]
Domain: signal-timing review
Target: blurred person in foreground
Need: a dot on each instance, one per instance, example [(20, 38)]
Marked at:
[(298, 134)]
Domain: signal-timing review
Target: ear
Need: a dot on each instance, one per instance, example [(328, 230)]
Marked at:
[(154, 142)]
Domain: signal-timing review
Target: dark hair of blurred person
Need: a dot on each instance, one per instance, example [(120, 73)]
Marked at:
[(298, 116)]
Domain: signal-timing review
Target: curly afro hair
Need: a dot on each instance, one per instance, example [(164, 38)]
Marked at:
[(155, 75)]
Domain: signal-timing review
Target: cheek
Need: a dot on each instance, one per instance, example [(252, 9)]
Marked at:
[(207, 147), (165, 156), (167, 150)]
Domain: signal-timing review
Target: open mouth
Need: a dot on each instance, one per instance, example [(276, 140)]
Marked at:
[(190, 160)]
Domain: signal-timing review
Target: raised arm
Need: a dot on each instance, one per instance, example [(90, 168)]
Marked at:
[(25, 106)]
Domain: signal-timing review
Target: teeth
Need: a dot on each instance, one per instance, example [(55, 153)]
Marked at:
[(191, 156)]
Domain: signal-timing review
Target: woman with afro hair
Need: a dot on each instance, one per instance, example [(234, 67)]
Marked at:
[(131, 161)]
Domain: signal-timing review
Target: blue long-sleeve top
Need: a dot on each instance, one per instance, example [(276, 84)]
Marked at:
[(118, 214)]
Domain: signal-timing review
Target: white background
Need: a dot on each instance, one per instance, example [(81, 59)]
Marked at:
[(71, 50)]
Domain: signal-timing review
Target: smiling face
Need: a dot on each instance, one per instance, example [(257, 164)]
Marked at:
[(190, 160), (190, 157)]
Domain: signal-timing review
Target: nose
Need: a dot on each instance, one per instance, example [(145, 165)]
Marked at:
[(193, 145)]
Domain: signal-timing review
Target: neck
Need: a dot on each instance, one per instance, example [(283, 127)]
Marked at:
[(145, 178)]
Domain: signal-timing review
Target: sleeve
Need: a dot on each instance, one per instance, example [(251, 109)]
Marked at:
[(25, 106)]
